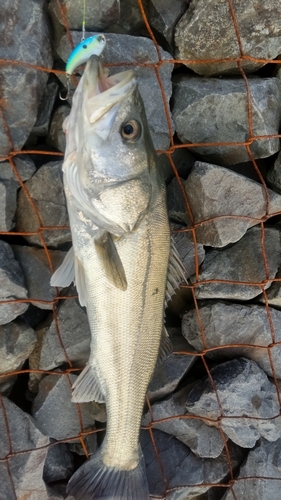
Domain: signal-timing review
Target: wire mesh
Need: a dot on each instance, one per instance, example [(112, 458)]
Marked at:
[(41, 231)]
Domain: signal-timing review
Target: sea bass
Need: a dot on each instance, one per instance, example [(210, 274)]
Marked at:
[(120, 258)]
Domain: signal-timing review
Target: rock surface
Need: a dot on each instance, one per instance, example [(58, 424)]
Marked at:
[(227, 323), (249, 403), (163, 16), (177, 209), (205, 23), (187, 475), (45, 110), (274, 175), (214, 110), (21, 474), (59, 463), (17, 341), (11, 285), (56, 135), (142, 51), (98, 15), (215, 192), (46, 191), (37, 273), (241, 262), (188, 251), (25, 38), (260, 475)]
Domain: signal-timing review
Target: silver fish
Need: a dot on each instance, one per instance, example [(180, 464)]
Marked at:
[(120, 257)]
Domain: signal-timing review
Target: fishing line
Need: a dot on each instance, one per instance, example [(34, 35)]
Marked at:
[(84, 21)]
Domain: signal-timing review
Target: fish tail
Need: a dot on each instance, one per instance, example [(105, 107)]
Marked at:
[(96, 481)]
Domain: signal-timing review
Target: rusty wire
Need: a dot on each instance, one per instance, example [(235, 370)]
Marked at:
[(192, 229)]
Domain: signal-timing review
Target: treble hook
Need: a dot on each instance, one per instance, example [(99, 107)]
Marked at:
[(68, 77)]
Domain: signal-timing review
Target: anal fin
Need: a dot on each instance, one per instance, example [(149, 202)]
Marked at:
[(110, 260), (87, 388), (165, 348), (176, 272)]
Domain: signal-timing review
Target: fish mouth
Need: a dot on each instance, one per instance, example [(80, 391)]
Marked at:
[(103, 94)]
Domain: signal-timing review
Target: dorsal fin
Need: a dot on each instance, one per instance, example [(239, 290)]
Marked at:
[(176, 272)]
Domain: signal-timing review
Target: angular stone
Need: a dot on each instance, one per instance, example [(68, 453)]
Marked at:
[(74, 334), (131, 21), (163, 16), (203, 440), (130, 49), (273, 293), (17, 341), (214, 110), (176, 204), (23, 479), (188, 251), (241, 262), (59, 463), (24, 165), (56, 135), (187, 475), (227, 323), (22, 22), (260, 475), (98, 14), (11, 285), (248, 400), (183, 160), (204, 24), (168, 374), (8, 204), (274, 175), (215, 192), (46, 191), (37, 273), (45, 110)]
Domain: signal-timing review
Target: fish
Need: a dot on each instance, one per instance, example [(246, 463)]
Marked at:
[(125, 267), (87, 47)]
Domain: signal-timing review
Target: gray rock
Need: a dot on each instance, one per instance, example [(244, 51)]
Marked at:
[(242, 263), (24, 166), (99, 14), (187, 475), (46, 191), (204, 24), (203, 440), (74, 335), (59, 463), (260, 475), (183, 160), (273, 293), (25, 38), (45, 110), (8, 204), (55, 414), (274, 175), (26, 448), (17, 341), (214, 191), (131, 21), (163, 16), (56, 136), (11, 285), (168, 374), (214, 110), (249, 403), (227, 323), (130, 49), (188, 251), (177, 209), (37, 273)]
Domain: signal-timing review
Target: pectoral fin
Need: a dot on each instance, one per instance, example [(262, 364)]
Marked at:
[(87, 387), (176, 273), (64, 275), (80, 282), (110, 260)]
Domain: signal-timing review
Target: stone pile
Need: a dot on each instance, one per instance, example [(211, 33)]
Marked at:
[(214, 404)]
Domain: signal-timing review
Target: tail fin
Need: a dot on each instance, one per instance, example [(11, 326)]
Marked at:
[(95, 481)]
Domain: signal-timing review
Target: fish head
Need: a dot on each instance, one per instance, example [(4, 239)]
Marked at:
[(113, 138)]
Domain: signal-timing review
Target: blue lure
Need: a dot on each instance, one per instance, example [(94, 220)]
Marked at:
[(93, 45)]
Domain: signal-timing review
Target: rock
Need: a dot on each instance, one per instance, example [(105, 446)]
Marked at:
[(45, 110), (57, 417), (59, 463), (188, 251), (227, 323), (203, 25), (56, 135), (138, 50), (163, 16), (183, 160), (203, 440), (17, 341), (25, 38), (242, 263), (169, 373), (98, 15), (214, 110), (249, 403), (177, 209), (24, 165), (21, 475), (274, 174), (46, 191), (273, 293), (260, 474), (131, 21), (11, 285), (37, 273), (74, 334), (187, 475), (214, 191)]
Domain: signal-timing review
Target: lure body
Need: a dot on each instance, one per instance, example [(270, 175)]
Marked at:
[(93, 45)]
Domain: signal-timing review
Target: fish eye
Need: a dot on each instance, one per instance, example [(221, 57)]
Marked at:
[(130, 131), (84, 46)]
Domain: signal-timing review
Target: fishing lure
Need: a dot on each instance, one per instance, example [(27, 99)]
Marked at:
[(94, 45)]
